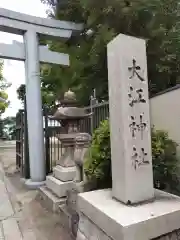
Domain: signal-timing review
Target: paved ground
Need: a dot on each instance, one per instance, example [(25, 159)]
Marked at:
[(21, 215)]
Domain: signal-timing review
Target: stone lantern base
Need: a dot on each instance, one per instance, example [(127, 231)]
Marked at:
[(64, 174)]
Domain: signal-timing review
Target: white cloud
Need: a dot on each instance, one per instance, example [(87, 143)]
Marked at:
[(14, 70)]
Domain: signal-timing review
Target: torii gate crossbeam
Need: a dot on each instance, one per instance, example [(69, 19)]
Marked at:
[(30, 52)]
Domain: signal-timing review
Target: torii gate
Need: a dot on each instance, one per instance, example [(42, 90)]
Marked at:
[(31, 27)]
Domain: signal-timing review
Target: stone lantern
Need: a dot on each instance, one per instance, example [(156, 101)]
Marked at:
[(69, 116), (68, 176)]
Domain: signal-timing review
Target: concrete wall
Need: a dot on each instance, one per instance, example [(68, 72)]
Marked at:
[(165, 112)]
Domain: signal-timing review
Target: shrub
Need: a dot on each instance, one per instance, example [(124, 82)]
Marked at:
[(97, 166), (165, 162)]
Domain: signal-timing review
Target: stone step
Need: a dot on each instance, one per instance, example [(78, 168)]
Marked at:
[(58, 187), (64, 174), (49, 200), (70, 219)]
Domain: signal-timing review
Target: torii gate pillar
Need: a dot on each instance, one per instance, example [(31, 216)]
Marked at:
[(30, 52), (34, 110)]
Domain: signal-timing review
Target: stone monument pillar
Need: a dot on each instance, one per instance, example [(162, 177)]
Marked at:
[(129, 121), (132, 210)]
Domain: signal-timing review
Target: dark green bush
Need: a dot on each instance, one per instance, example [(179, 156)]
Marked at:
[(165, 163), (98, 164)]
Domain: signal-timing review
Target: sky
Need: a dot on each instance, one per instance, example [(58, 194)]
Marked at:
[(14, 70)]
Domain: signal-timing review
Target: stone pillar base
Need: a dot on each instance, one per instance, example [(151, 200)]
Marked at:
[(104, 218), (34, 185)]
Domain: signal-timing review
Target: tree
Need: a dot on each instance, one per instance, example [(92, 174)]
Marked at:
[(156, 21), (21, 92), (5, 103), (9, 127), (48, 98), (3, 87)]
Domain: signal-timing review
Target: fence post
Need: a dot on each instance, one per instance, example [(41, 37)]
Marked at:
[(93, 101), (21, 143), (17, 141), (91, 119), (47, 143), (26, 144)]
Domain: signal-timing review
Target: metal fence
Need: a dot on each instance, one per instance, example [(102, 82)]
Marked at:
[(22, 148), (19, 138), (52, 146), (53, 149), (52, 128), (99, 112)]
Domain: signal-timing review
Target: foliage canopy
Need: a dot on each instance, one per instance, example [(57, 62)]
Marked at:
[(156, 21), (3, 87)]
